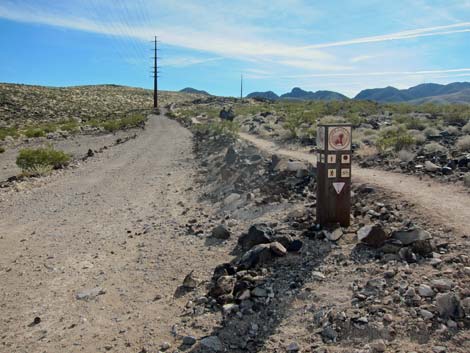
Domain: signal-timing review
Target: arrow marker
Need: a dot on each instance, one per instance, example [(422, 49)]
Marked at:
[(338, 187)]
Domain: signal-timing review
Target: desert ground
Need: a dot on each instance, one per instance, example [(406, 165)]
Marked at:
[(185, 236)]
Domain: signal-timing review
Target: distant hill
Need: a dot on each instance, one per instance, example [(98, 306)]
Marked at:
[(266, 95), (194, 91), (300, 94), (428, 92)]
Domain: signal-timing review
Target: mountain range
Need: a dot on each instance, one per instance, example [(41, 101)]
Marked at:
[(457, 92)]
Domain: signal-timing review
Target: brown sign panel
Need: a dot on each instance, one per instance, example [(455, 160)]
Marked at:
[(334, 174)]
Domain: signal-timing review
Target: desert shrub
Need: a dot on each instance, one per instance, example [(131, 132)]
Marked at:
[(466, 128), (415, 124), (28, 159), (49, 127), (124, 123), (430, 131), (292, 123), (111, 125), (466, 180), (355, 119), (396, 138), (457, 118), (406, 156), (365, 151), (434, 147), (2, 149), (452, 130), (8, 131), (333, 120), (34, 132), (463, 143), (217, 128), (418, 137)]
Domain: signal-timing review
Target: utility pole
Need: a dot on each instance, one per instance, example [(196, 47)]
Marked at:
[(155, 76), (241, 86)]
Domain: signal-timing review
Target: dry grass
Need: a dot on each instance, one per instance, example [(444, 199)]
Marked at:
[(434, 147), (367, 151), (406, 156), (463, 143)]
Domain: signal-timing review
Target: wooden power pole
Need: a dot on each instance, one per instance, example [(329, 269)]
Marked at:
[(155, 76), (241, 86)]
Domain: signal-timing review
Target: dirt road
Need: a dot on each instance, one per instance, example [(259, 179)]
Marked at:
[(114, 225), (447, 205)]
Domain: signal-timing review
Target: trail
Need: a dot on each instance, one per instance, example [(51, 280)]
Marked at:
[(117, 222), (444, 204)]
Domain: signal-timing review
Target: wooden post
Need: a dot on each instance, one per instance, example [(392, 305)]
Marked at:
[(334, 174)]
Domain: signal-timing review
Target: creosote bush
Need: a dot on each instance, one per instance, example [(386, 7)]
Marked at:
[(463, 143), (30, 159), (466, 128), (434, 147), (395, 138), (218, 128)]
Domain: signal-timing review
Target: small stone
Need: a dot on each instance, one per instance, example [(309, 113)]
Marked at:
[(165, 346), (426, 315), (90, 293), (189, 281), (189, 340), (293, 347), (378, 346), (295, 246), (259, 292), (449, 306), (221, 232), (439, 349), (278, 249), (318, 276), (425, 291), (212, 343), (442, 285), (333, 235)]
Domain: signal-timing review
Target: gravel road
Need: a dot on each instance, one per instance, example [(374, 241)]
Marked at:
[(111, 229)]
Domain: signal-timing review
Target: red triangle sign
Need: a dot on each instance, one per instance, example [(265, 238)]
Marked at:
[(338, 187)]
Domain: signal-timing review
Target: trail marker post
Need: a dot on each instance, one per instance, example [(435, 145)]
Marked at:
[(334, 174)]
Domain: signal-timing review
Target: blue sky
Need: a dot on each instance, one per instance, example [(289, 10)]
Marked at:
[(344, 46)]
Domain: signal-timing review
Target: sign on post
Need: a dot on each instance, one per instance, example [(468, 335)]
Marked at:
[(334, 174)]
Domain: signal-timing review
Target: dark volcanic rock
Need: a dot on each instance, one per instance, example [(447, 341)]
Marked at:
[(221, 232), (372, 235), (259, 254), (257, 234)]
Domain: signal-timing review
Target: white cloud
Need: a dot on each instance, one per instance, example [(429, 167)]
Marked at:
[(416, 33)]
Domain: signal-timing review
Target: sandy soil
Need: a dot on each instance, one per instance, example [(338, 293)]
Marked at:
[(444, 204), (113, 223)]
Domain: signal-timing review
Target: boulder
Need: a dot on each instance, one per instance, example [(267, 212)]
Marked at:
[(333, 235), (189, 281), (257, 234), (407, 237), (372, 235), (258, 254), (431, 167)]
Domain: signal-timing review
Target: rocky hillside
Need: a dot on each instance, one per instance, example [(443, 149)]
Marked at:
[(194, 91), (457, 92), (25, 105), (299, 94)]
